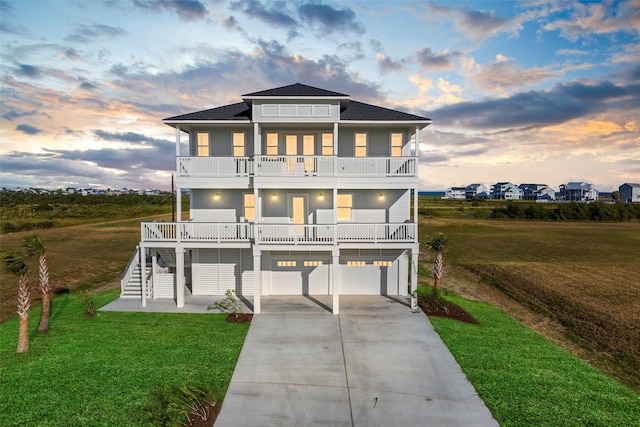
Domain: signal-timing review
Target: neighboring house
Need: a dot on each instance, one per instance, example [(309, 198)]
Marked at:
[(293, 191), (578, 192), (476, 190), (545, 194), (629, 192), (506, 191), (455, 193), (529, 191)]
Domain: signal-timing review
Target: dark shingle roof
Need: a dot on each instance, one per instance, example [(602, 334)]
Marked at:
[(352, 111), (239, 111), (297, 89), (360, 111)]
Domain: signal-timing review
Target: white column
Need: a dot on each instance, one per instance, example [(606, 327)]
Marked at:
[(417, 144), (415, 207), (178, 205), (143, 274), (335, 138), (154, 265), (180, 276), (256, 139), (335, 280), (177, 141), (414, 277), (257, 275)]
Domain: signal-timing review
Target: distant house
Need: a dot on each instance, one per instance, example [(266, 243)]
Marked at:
[(545, 194), (578, 192), (506, 191), (455, 193), (629, 192), (476, 190), (529, 190)]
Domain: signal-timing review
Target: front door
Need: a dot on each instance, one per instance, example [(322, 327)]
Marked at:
[(309, 150), (291, 150)]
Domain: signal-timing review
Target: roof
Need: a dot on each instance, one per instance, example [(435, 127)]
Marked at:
[(578, 186), (360, 111), (631, 184), (295, 90), (352, 110), (239, 111)]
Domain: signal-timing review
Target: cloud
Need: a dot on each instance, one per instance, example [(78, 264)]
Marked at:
[(28, 129), (533, 109), (85, 85), (329, 18), (13, 114), (276, 15), (85, 33), (189, 10), (430, 60), (585, 20), (28, 71), (477, 24), (387, 65)]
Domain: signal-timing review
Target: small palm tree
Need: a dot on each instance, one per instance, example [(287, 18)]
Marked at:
[(13, 262), (34, 246), (438, 244)]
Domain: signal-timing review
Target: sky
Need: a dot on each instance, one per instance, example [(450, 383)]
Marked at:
[(540, 91)]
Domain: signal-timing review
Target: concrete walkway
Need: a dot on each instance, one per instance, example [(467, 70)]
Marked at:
[(375, 364)]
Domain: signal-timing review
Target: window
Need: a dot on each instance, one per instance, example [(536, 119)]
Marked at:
[(272, 144), (309, 149), (249, 207), (327, 144), (396, 144), (356, 263), (203, 143), (238, 144), (382, 263), (360, 145), (312, 263), (287, 263), (345, 204)]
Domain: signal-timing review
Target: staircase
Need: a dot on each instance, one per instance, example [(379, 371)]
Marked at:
[(133, 288)]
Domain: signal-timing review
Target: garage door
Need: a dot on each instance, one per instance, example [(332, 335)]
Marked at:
[(299, 275), (216, 270)]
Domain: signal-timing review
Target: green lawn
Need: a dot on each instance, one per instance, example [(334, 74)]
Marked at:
[(103, 370), (526, 380)]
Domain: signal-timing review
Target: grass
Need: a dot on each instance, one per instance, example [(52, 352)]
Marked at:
[(104, 370), (583, 275), (526, 380)]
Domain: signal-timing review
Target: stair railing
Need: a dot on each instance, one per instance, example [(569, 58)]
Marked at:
[(134, 261)]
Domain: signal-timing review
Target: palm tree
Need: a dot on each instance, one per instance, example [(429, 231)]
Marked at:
[(13, 262), (34, 246), (438, 244)]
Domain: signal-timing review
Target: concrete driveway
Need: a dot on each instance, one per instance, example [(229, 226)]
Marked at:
[(375, 364)]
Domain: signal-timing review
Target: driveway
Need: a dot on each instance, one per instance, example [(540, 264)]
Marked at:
[(375, 364)]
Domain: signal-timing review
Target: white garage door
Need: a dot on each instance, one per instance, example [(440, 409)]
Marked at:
[(300, 275), (216, 270)]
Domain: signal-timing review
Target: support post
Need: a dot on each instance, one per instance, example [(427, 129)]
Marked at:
[(335, 278), (179, 276), (414, 278), (178, 205), (257, 275), (143, 274), (154, 268)]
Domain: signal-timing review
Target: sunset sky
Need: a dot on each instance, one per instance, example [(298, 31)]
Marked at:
[(528, 92)]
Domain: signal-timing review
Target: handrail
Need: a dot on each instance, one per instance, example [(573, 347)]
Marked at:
[(134, 261)]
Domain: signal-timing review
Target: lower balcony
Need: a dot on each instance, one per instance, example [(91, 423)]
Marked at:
[(279, 234)]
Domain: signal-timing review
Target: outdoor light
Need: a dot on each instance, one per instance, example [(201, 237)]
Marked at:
[(216, 196), (380, 196), (274, 196), (320, 196)]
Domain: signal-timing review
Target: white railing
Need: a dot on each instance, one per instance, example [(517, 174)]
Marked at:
[(377, 233), (284, 234), (214, 166), (196, 231), (134, 261), (296, 166)]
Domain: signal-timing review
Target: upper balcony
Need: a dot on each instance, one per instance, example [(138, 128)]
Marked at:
[(296, 166), (279, 234)]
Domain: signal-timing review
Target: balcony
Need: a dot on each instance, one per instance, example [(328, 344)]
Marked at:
[(279, 234), (202, 167), (196, 231)]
